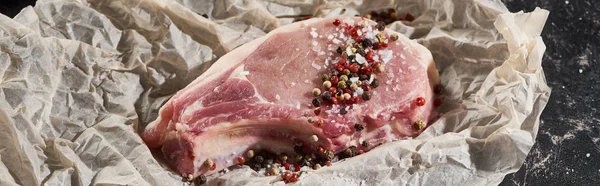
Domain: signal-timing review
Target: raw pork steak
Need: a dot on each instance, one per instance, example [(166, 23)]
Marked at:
[(260, 96)]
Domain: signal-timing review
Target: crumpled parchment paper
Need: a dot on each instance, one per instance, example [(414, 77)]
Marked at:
[(81, 78)]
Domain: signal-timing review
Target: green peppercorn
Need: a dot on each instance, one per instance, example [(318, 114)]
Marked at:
[(343, 78), (394, 37), (346, 72), (419, 125), (365, 143), (324, 77), (341, 84), (298, 158), (379, 37)]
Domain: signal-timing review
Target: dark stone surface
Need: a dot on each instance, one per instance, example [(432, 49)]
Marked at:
[(567, 149)]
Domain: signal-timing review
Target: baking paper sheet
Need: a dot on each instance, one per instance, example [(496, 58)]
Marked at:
[(81, 78)]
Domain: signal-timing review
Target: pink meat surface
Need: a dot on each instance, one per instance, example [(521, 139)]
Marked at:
[(258, 96)]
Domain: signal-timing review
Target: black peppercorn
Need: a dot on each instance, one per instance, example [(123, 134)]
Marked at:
[(351, 57), (339, 50), (317, 102), (361, 52), (259, 159), (200, 180), (380, 26), (358, 127), (375, 83), (366, 95), (367, 43), (298, 148), (363, 77), (326, 95), (343, 111)]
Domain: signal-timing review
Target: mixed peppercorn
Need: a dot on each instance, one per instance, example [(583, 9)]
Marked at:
[(353, 78)]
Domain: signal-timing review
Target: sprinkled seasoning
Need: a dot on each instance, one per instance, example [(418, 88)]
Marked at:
[(343, 111), (380, 26), (366, 95), (314, 138), (317, 166), (358, 127), (365, 143), (437, 102), (316, 92), (317, 111), (394, 37), (317, 102), (200, 180), (320, 149), (327, 84), (420, 101), (329, 155), (250, 153), (209, 163), (240, 160), (437, 89), (419, 125), (336, 22), (319, 122)]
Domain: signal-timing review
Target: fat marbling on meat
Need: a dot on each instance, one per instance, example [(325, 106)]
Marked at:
[(258, 96)]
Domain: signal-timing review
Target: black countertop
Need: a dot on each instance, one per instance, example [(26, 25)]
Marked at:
[(567, 149)]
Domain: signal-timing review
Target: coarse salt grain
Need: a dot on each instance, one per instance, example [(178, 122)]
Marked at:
[(318, 67), (354, 79), (329, 37), (243, 73), (360, 59), (277, 97), (314, 34), (336, 41), (386, 56)]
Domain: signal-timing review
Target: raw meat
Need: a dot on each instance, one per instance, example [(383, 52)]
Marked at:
[(259, 96)]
